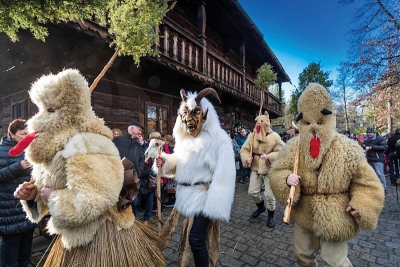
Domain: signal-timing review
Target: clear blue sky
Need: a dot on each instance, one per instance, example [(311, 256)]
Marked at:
[(301, 32)]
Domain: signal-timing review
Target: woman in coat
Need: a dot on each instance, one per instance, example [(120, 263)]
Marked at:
[(16, 230)]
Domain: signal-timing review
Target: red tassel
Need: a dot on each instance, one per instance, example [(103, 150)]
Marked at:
[(258, 128), (24, 143), (315, 145)]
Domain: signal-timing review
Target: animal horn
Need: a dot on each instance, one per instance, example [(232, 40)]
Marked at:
[(300, 116), (294, 125), (183, 95), (205, 92), (326, 111)]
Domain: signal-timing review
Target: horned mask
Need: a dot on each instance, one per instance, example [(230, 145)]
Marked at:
[(262, 127), (191, 112), (317, 123)]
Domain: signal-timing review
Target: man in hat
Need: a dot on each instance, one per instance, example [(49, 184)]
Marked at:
[(375, 145), (129, 147)]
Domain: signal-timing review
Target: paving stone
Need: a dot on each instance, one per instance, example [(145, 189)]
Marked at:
[(258, 245)]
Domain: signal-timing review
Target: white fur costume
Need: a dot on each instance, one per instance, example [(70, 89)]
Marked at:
[(206, 158)]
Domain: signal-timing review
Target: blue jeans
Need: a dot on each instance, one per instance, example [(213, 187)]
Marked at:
[(197, 240), (148, 204), (378, 168), (16, 249)]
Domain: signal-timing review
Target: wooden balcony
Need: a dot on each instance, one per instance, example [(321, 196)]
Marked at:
[(187, 53)]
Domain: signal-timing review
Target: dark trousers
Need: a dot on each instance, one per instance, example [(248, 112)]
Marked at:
[(147, 200), (243, 172), (393, 169), (16, 249), (197, 240)]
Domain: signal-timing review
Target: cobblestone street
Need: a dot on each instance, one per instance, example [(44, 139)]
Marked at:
[(249, 242)]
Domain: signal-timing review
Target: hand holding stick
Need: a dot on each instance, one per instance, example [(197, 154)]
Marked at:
[(286, 214)]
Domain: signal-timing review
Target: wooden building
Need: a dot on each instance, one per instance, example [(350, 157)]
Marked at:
[(203, 44)]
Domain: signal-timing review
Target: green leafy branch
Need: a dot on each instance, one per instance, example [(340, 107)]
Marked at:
[(132, 23)]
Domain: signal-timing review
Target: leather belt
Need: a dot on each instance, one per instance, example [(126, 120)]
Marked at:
[(199, 183)]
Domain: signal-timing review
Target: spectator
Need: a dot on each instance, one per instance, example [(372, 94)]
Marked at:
[(360, 139), (16, 230), (116, 132), (347, 133), (285, 136), (236, 150), (1, 132), (375, 146), (146, 192), (393, 158), (244, 172), (129, 147)]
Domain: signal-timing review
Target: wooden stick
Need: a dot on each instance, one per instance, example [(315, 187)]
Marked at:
[(259, 114), (286, 214), (261, 102), (159, 195), (251, 146), (106, 67)]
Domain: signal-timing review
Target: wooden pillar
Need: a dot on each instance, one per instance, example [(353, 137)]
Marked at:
[(201, 19), (242, 55), (201, 24)]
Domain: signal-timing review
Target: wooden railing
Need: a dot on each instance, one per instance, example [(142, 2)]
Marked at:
[(179, 45)]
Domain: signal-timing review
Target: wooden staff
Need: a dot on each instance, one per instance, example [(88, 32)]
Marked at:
[(251, 146), (286, 214), (259, 114), (159, 194)]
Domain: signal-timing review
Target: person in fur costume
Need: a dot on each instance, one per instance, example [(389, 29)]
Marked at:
[(264, 145), (77, 177), (203, 165), (337, 192)]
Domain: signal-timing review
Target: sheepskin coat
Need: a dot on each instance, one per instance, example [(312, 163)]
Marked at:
[(272, 145), (334, 174), (320, 202), (74, 155), (207, 159)]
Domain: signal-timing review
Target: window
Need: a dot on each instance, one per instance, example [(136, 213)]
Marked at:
[(157, 119), (19, 109)]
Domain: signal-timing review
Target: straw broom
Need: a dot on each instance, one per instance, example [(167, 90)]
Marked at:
[(106, 250)]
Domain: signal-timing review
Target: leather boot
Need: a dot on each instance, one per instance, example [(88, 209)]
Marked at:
[(260, 209), (270, 221)]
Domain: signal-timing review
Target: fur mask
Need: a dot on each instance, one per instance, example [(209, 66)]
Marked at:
[(262, 127), (317, 124), (194, 110), (64, 110)]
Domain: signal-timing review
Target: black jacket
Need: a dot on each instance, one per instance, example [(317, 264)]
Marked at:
[(12, 218), (132, 150), (378, 147), (392, 143)]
